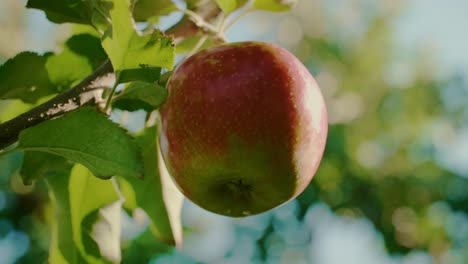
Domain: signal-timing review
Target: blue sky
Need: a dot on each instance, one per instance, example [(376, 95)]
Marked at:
[(442, 25)]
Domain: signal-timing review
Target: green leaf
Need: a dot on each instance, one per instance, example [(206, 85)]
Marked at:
[(90, 12), (78, 29), (62, 246), (61, 11), (41, 164), (192, 4), (104, 238), (273, 5), (129, 49), (230, 5), (87, 137), (156, 194), (145, 9), (79, 199), (144, 248), (12, 108), (25, 77), (140, 95), (188, 44), (144, 73), (88, 46), (82, 54)]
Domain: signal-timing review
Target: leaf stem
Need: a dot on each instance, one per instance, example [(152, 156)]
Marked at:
[(111, 94), (200, 43), (201, 23), (101, 12), (117, 189)]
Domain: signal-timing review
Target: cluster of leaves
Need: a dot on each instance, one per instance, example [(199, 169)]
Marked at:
[(94, 167)]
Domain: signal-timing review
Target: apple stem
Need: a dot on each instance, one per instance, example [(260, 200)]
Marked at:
[(202, 24), (247, 9), (199, 44)]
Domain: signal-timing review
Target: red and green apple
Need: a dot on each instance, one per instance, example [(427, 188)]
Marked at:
[(243, 129)]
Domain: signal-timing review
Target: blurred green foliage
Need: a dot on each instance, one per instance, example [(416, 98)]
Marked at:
[(382, 164)]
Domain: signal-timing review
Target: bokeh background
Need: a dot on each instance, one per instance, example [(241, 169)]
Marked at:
[(393, 184)]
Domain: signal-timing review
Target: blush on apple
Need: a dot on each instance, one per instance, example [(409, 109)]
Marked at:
[(243, 128)]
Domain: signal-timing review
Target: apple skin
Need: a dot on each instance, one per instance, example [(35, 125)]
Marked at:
[(243, 129)]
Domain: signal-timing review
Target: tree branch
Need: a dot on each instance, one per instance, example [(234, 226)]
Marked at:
[(84, 93), (187, 27), (78, 96)]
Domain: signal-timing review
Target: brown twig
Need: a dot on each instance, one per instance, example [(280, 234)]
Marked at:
[(78, 96), (187, 27)]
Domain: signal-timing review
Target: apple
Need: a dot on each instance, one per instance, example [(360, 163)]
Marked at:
[(243, 129)]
